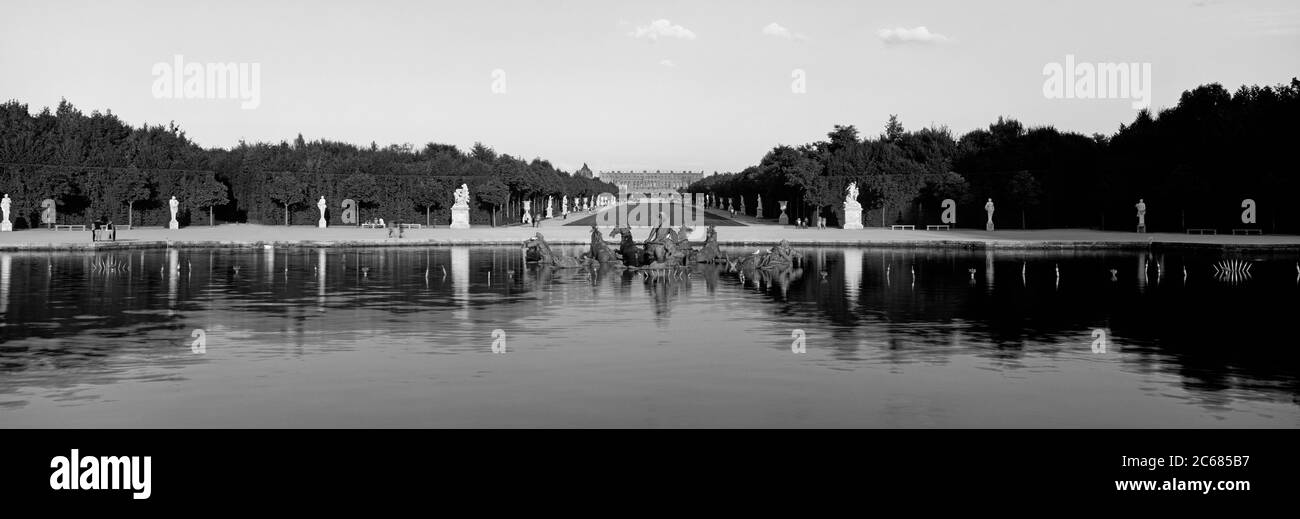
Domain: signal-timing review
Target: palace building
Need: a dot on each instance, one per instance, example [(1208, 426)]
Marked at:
[(651, 181)]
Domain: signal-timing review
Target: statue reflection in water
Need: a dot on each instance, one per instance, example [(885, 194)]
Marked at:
[(665, 276), (6, 264)]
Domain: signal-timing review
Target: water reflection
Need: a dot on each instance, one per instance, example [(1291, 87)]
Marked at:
[(402, 337), (460, 279), (988, 270), (6, 264), (173, 275), (322, 265)]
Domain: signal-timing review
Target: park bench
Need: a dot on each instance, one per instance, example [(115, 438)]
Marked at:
[(67, 227), (1202, 231), (902, 227), (411, 225), (371, 226), (1247, 231), (937, 227), (104, 235)]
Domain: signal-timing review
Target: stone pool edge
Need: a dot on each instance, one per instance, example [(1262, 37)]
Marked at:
[(901, 244)]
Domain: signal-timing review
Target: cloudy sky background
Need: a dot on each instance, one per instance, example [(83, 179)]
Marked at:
[(629, 85)]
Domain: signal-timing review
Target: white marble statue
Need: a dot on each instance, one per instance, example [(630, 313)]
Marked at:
[(988, 207), (462, 195), (320, 204), (1142, 214), (174, 205), (528, 217), (6, 225), (460, 210), (852, 208), (564, 206), (549, 204)]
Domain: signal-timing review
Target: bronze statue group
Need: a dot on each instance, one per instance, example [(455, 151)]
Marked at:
[(661, 250)]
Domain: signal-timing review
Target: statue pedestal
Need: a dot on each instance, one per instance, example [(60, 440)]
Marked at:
[(173, 224), (321, 223), (460, 216), (783, 219), (853, 216), (988, 226), (6, 226), (1142, 229)]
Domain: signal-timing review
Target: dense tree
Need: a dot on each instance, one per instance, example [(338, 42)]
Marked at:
[(1025, 192), (365, 190), (132, 185), (1192, 164), (428, 193), (208, 192), (893, 130), (285, 189), (92, 164), (494, 193)]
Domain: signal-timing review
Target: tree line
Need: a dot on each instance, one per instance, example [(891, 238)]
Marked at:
[(96, 166), (1192, 165)]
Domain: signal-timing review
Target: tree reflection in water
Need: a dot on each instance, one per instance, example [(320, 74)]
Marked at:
[(70, 330)]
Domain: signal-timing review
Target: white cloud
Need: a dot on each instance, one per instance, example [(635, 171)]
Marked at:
[(662, 29), (775, 29), (668, 63), (902, 35)]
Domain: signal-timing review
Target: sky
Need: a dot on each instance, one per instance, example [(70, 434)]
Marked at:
[(623, 85)]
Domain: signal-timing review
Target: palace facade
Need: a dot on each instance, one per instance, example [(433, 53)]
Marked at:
[(651, 181)]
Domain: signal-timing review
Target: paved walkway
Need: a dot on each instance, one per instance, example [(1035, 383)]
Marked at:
[(249, 235)]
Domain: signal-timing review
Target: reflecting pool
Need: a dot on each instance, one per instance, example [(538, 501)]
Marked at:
[(474, 336)]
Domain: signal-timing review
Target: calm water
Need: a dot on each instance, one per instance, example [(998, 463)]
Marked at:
[(404, 337)]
